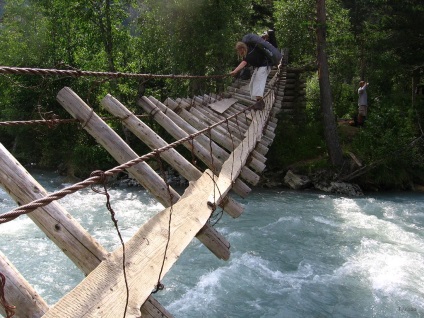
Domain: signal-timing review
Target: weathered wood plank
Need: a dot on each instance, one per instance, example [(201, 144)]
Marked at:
[(152, 308), (240, 124), (222, 105), (122, 153), (223, 137), (154, 141), (114, 144), (19, 293), (187, 122), (232, 166), (230, 141), (220, 135), (103, 292), (204, 154), (59, 226)]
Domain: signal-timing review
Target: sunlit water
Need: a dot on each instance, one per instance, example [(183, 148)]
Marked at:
[(293, 254)]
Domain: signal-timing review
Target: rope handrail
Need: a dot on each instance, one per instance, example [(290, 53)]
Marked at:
[(53, 122), (79, 73)]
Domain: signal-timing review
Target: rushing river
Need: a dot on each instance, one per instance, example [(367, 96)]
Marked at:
[(293, 254)]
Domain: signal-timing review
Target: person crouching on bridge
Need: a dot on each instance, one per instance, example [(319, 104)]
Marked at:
[(252, 55)]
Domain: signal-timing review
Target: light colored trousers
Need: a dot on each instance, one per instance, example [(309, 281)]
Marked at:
[(258, 81)]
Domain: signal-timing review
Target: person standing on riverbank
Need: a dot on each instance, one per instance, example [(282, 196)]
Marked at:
[(362, 103)]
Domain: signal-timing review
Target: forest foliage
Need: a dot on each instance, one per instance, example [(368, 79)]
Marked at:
[(379, 41)]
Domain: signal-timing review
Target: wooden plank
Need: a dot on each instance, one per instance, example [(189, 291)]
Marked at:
[(195, 124), (205, 154), (241, 123), (117, 147), (231, 168), (152, 308), (209, 117), (222, 105), (229, 140), (268, 131), (246, 88), (154, 141), (59, 226), (224, 138), (261, 148), (220, 135), (103, 292), (122, 153), (19, 293)]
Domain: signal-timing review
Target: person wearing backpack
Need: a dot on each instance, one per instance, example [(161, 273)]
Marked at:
[(262, 55), (252, 55)]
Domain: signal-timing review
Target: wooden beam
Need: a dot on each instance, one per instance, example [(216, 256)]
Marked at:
[(154, 141), (191, 124), (222, 136), (59, 226), (206, 155), (232, 166), (117, 147), (19, 293), (122, 153), (266, 132), (238, 131), (259, 147)]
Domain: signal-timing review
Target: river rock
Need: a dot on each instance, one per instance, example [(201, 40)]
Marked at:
[(295, 181), (349, 189)]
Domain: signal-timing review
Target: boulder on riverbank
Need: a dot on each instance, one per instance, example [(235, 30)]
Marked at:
[(297, 182), (321, 182), (349, 189)]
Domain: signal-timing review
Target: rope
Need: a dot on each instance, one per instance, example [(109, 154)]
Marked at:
[(78, 73), (53, 122), (115, 222), (27, 208), (159, 286)]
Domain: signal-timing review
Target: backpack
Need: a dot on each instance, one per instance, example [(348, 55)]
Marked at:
[(272, 53)]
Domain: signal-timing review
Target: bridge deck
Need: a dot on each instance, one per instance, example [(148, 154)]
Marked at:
[(233, 150)]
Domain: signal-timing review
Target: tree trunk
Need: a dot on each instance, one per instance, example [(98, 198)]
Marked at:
[(330, 126)]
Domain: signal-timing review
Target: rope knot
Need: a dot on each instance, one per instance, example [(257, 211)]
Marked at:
[(159, 287), (101, 174)]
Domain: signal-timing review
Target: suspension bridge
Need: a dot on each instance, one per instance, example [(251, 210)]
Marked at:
[(226, 132)]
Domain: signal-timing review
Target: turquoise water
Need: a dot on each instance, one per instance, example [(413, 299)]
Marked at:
[(294, 254)]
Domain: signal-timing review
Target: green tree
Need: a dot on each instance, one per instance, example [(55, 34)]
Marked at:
[(61, 34), (330, 129)]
